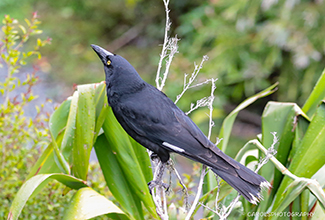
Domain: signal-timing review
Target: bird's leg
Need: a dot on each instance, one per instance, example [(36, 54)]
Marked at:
[(157, 179), (171, 168)]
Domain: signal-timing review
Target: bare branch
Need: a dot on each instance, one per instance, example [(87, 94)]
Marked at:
[(196, 71), (211, 123), (198, 193), (185, 191), (270, 153), (158, 191), (170, 44)]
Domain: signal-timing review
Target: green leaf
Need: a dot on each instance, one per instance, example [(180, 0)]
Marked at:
[(316, 96), (309, 156), (87, 203), (318, 213), (229, 120), (120, 143), (304, 200), (57, 123), (58, 157), (69, 133), (143, 158), (101, 108), (45, 164), (28, 22), (58, 119), (116, 180), (35, 183), (84, 134), (281, 118)]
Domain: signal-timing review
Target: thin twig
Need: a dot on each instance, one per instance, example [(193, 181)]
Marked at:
[(158, 192), (164, 47), (198, 193), (170, 44), (270, 153), (185, 191), (211, 123), (196, 71)]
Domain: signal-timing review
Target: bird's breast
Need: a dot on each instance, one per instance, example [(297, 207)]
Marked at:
[(112, 97)]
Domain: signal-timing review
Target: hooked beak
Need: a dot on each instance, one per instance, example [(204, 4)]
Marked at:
[(102, 53)]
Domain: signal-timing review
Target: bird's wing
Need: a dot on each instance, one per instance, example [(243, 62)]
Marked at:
[(192, 128), (159, 120)]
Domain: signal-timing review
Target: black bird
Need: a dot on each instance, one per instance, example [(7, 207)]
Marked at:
[(153, 120)]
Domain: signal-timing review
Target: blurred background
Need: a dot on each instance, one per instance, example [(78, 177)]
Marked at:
[(251, 44)]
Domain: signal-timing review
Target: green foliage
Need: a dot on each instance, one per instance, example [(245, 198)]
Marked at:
[(252, 44), (68, 152), (300, 150), (22, 137)]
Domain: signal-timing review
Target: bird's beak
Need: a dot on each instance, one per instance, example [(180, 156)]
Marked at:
[(102, 53)]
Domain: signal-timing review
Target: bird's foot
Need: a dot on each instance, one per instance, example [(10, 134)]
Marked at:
[(152, 184)]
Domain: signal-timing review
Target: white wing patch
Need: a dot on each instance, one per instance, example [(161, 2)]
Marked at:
[(173, 147)]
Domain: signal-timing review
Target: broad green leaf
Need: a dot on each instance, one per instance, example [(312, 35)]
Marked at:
[(292, 192), (84, 133), (304, 201), (309, 156), (58, 157), (63, 126), (297, 188), (316, 96), (87, 203), (45, 164), (58, 119), (300, 131), (100, 97), (281, 118), (295, 206), (318, 213), (120, 143), (318, 192), (69, 133), (229, 120), (101, 108), (35, 184), (143, 158), (116, 180)]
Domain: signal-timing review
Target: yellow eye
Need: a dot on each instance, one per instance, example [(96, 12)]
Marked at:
[(108, 62)]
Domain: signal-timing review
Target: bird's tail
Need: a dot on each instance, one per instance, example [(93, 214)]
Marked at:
[(248, 183)]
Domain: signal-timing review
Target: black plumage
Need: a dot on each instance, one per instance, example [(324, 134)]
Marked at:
[(153, 120)]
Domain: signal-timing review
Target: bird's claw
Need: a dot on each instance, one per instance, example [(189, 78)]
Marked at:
[(152, 184)]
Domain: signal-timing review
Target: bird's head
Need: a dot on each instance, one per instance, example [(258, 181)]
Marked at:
[(118, 71)]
